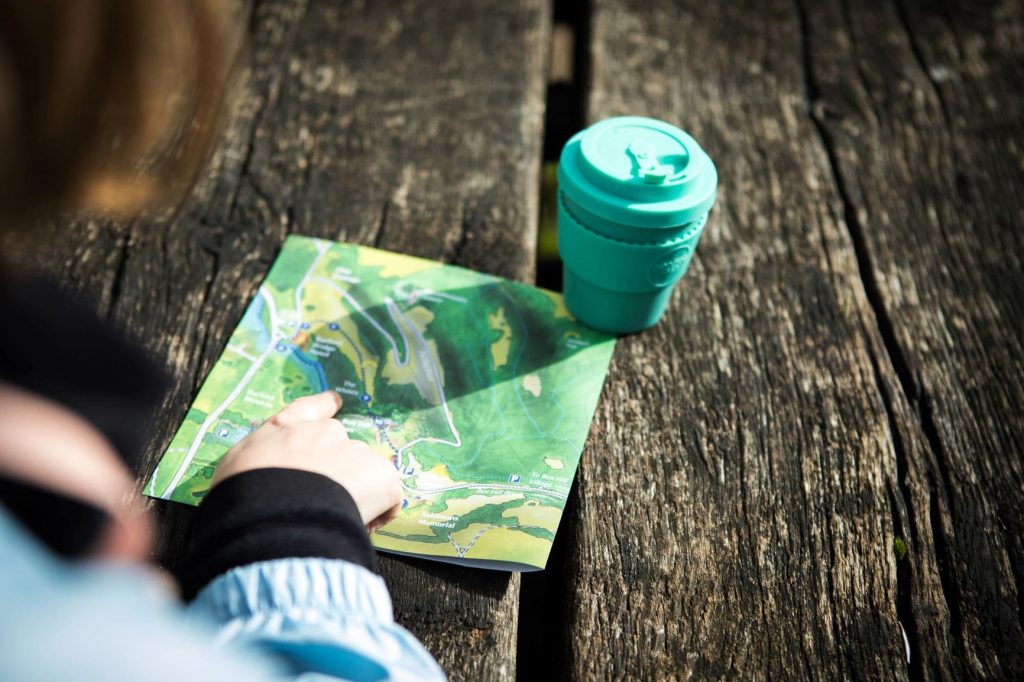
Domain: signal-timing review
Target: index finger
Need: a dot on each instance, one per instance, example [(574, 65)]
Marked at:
[(310, 408)]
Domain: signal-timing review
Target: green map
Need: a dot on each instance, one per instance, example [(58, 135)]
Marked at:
[(481, 392)]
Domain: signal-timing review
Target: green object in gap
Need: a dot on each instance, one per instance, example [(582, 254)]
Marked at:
[(634, 194)]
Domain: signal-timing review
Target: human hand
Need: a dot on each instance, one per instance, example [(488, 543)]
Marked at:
[(304, 435)]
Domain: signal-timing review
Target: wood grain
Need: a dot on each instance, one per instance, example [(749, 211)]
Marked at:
[(414, 127), (920, 109), (741, 494)]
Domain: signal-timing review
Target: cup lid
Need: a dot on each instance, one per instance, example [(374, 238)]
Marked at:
[(639, 171)]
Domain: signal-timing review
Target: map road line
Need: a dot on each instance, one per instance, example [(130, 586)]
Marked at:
[(321, 249), (487, 486), (271, 308), (425, 348), (355, 304), (240, 351), (213, 417)]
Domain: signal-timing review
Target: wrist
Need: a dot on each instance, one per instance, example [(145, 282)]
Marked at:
[(274, 513)]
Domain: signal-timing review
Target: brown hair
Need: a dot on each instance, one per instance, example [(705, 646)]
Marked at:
[(108, 105)]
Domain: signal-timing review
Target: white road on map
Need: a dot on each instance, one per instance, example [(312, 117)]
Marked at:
[(369, 318), (212, 418), (424, 352)]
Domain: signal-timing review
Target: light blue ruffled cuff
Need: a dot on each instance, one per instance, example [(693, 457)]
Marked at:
[(324, 616)]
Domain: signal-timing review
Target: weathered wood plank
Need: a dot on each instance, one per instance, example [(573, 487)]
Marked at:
[(415, 127), (921, 108), (735, 515)]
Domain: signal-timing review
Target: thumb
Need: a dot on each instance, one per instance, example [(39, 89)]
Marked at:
[(310, 408)]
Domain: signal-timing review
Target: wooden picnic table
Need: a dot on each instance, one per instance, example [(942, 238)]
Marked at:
[(813, 464)]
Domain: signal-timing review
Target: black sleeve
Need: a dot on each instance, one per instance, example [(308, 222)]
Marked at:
[(70, 527), (273, 514)]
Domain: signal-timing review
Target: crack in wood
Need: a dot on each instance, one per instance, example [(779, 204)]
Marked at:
[(903, 522), (885, 330), (378, 235), (466, 216), (117, 281)]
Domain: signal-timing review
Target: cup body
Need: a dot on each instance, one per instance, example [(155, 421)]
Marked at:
[(634, 196)]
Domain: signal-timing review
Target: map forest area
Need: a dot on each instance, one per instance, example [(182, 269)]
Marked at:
[(480, 391)]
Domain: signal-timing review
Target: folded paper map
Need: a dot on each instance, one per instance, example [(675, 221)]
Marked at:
[(480, 390)]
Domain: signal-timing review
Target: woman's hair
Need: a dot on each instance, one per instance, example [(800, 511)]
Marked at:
[(108, 106)]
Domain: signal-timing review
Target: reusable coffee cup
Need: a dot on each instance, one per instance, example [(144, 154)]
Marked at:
[(633, 197)]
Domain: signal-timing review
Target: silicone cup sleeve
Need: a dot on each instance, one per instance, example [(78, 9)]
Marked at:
[(620, 265)]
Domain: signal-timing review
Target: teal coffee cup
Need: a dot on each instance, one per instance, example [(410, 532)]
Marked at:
[(633, 197)]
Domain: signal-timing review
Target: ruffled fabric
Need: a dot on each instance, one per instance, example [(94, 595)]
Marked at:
[(323, 617)]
